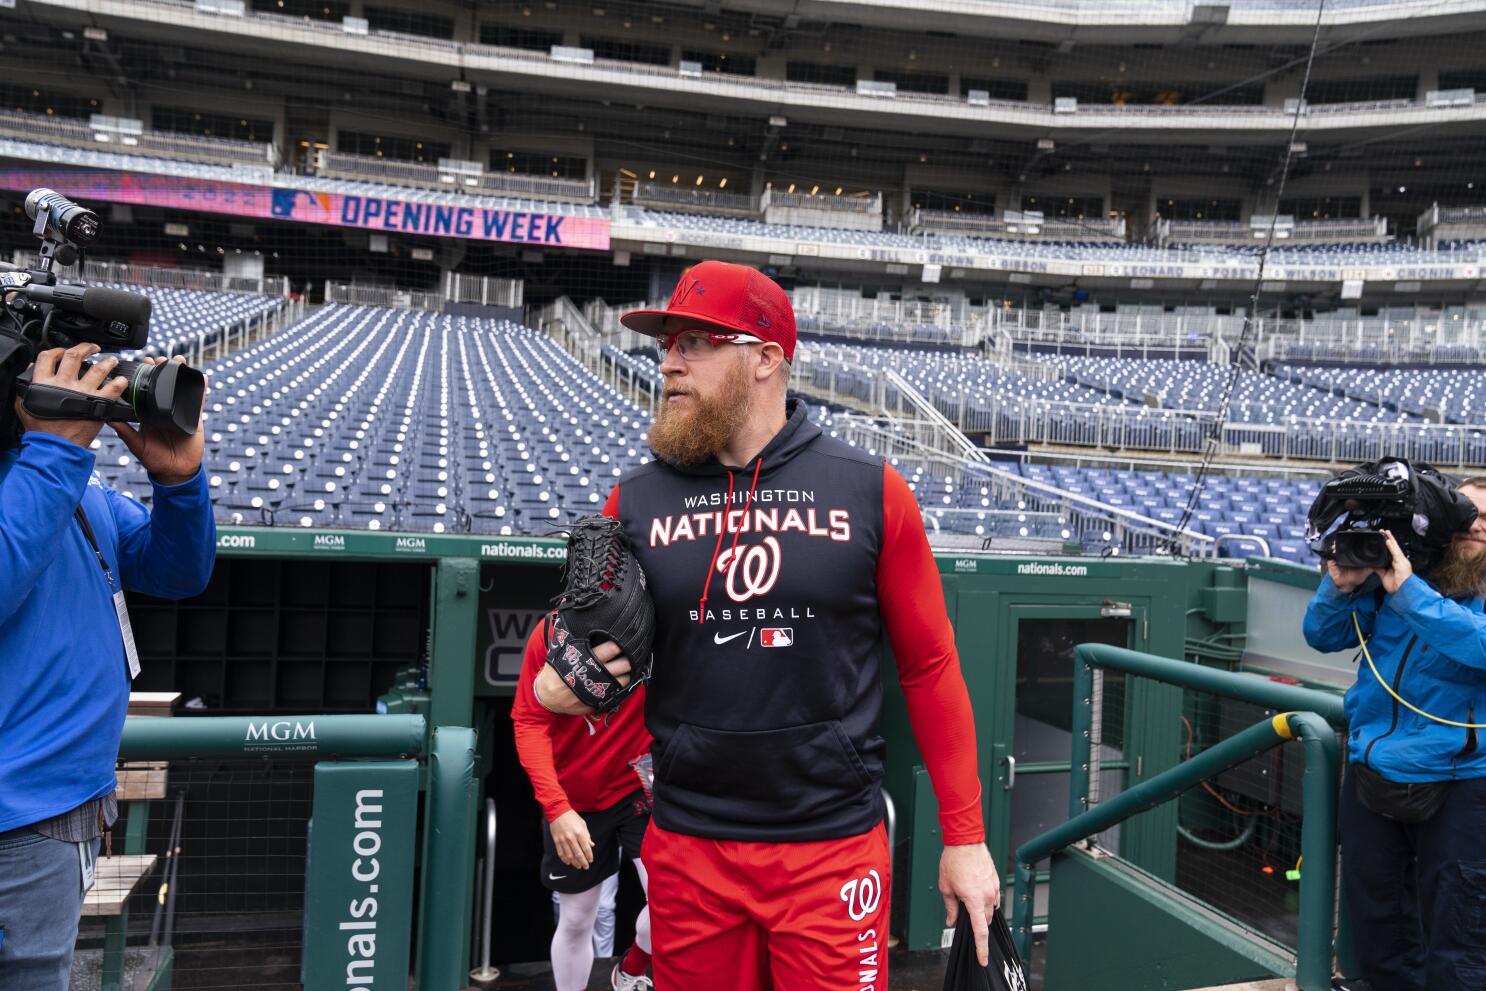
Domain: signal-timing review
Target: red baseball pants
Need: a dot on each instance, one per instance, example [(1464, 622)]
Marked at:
[(734, 916)]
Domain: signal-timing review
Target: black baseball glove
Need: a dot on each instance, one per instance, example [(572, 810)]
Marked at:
[(604, 599)]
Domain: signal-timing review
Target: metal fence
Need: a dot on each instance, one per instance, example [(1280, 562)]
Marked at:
[(402, 299), (483, 289), (344, 165)]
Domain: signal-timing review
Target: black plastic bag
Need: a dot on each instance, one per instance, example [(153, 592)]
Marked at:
[(1003, 973)]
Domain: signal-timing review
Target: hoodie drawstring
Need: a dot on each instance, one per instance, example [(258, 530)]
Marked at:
[(712, 566)]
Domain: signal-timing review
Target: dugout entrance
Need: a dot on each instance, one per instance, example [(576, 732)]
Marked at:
[(466, 604)]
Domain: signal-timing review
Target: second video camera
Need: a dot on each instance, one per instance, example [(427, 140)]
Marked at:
[(1416, 503), (39, 313)]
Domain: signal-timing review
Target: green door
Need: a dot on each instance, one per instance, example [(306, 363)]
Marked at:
[(1033, 745)]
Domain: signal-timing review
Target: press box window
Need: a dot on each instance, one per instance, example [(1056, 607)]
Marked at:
[(386, 146)]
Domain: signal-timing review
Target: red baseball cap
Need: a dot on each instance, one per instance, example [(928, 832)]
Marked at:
[(735, 299)]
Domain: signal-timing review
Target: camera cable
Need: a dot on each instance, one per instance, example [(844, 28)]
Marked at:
[(1214, 438), (1362, 642)]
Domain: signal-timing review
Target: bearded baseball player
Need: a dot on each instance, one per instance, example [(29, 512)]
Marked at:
[(777, 557), (596, 814)]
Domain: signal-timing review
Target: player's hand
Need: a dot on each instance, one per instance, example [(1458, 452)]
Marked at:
[(1347, 580), (168, 455), (59, 368), (1401, 570), (570, 837), (553, 694), (968, 874)]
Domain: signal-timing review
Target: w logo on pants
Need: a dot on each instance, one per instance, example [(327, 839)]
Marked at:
[(862, 895)]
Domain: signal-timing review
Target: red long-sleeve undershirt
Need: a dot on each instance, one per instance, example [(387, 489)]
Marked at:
[(575, 762), (911, 600)]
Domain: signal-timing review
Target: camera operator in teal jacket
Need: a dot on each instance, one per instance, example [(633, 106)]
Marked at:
[(1413, 807)]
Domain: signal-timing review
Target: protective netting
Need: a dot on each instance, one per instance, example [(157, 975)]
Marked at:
[(202, 878), (1231, 842), (1239, 834)]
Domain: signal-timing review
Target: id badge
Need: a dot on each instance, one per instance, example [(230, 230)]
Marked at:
[(86, 859), (131, 653)]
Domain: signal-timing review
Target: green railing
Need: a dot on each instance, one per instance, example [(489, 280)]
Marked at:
[(1315, 724), (366, 785), (281, 737)]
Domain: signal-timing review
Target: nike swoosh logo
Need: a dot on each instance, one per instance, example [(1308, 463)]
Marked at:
[(555, 877), (718, 638)]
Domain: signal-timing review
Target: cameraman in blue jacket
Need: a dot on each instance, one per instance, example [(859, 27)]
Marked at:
[(69, 545), (1412, 818)]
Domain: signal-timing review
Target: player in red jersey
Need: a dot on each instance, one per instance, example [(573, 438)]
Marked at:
[(777, 558), (596, 811)]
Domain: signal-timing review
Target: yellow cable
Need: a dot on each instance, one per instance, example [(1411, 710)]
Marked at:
[(1389, 689)]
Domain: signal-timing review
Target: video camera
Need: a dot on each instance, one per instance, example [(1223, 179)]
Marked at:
[(37, 312), (1416, 503)]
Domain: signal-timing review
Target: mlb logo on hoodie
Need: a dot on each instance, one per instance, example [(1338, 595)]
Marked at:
[(776, 637)]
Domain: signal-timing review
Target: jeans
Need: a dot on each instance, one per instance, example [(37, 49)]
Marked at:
[(41, 898), (1416, 892)]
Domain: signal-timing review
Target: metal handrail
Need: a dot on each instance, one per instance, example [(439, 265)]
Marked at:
[(891, 818), (1161, 533), (485, 973), (146, 738), (1312, 716), (1235, 538), (963, 446), (1319, 786)]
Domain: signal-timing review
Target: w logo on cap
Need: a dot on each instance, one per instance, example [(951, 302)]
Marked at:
[(685, 288), (727, 298)]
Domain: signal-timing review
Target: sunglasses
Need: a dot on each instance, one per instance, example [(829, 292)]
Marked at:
[(699, 345)]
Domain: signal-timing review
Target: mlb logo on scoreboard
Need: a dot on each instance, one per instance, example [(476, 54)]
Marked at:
[(776, 637)]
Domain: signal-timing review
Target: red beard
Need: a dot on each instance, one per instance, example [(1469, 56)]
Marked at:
[(689, 432)]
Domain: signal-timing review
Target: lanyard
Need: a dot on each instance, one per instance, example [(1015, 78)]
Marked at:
[(87, 528), (126, 631)]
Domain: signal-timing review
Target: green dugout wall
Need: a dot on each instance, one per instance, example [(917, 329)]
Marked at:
[(322, 621)]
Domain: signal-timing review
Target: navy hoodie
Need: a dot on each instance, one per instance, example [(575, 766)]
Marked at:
[(766, 690)]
